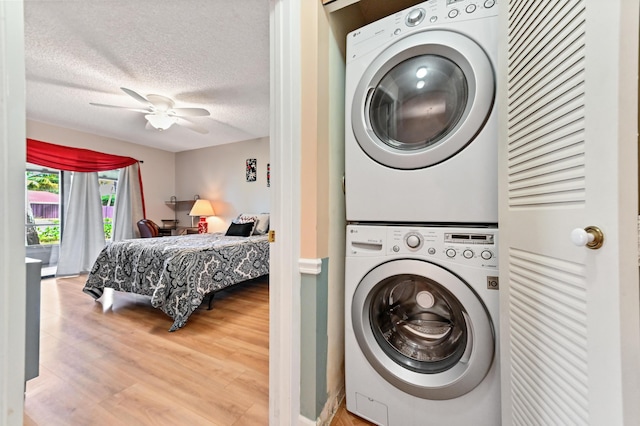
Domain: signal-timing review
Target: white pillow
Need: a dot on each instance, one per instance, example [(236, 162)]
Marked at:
[(260, 222), (263, 224)]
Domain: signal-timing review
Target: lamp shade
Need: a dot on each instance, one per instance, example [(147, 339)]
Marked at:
[(202, 208)]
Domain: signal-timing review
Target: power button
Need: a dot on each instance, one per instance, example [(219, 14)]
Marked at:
[(415, 17)]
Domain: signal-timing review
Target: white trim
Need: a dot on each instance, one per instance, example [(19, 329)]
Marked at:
[(310, 266), (303, 421), (284, 298), (12, 196)]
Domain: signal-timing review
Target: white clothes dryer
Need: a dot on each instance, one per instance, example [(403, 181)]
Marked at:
[(421, 132), (421, 325)]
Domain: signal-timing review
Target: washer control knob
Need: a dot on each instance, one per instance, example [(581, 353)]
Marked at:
[(453, 13), (451, 252), (468, 254), (431, 250), (489, 3), (413, 240), (486, 254), (471, 8), (415, 17)]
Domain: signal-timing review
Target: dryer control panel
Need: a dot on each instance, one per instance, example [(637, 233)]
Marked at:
[(428, 15)]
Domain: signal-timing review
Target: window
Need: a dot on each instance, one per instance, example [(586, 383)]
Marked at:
[(108, 184), (43, 216), (45, 189)]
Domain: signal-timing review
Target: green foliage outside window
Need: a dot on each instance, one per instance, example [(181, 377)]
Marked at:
[(108, 228), (49, 234), (108, 200), (48, 182)]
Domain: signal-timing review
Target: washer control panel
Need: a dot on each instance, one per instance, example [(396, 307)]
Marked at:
[(470, 246), (464, 245), (474, 246)]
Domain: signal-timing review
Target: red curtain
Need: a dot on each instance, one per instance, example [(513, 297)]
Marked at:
[(73, 159), (77, 160)]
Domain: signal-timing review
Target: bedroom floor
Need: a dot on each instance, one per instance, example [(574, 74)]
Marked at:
[(116, 364)]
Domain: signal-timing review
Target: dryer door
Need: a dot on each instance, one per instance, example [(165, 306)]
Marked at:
[(423, 99), (423, 329)]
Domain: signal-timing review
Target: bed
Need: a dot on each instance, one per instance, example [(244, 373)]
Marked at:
[(178, 272)]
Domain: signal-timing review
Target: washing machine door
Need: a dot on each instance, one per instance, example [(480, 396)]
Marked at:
[(423, 329), (423, 99)]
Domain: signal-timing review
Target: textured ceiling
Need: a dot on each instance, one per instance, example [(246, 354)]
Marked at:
[(211, 54)]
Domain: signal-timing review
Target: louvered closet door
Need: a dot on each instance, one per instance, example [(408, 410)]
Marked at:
[(568, 148)]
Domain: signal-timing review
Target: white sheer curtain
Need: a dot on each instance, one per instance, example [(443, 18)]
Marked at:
[(128, 208), (83, 232)]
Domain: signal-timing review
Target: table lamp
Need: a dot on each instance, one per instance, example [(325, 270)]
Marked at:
[(202, 208)]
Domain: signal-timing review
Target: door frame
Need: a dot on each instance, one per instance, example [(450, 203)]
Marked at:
[(284, 291), (12, 249)]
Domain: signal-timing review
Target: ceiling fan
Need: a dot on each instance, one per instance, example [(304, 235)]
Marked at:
[(161, 113)]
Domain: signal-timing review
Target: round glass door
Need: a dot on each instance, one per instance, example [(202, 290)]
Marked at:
[(423, 329), (423, 99), (418, 102), (418, 323)]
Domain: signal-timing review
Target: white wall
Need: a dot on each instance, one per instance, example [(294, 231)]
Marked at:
[(158, 169), (218, 174)]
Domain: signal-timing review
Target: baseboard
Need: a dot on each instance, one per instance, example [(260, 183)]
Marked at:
[(303, 421), (331, 407), (329, 410)]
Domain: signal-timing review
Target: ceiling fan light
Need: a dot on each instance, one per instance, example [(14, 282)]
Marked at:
[(160, 121)]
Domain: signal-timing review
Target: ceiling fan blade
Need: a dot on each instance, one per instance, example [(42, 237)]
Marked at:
[(120, 107), (190, 112), (191, 125), (136, 96)]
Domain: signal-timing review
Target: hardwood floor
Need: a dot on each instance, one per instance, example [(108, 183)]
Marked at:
[(115, 363), (345, 418)]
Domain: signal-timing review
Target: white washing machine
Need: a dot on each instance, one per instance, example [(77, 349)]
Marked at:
[(421, 325), (421, 126)]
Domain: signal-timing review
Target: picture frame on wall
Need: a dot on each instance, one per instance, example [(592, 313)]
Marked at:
[(251, 166)]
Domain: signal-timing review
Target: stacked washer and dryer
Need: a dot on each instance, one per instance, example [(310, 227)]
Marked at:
[(421, 283)]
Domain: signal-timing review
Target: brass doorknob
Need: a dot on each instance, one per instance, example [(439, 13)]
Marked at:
[(591, 237)]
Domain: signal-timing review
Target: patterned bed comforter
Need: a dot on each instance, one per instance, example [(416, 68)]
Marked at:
[(178, 272)]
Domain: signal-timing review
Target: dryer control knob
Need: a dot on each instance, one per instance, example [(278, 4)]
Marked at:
[(451, 252), (415, 17), (468, 254), (486, 254), (413, 240)]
